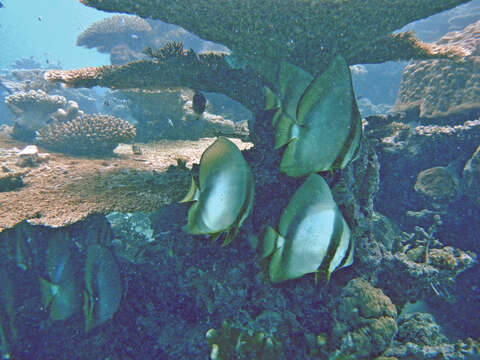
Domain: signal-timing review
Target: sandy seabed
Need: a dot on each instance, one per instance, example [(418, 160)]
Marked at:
[(60, 189)]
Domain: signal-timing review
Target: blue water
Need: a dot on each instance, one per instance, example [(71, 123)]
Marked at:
[(47, 30)]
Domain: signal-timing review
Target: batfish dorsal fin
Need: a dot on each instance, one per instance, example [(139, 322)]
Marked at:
[(336, 79), (292, 82)]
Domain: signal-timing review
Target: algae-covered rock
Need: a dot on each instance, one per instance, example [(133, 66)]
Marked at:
[(437, 185), (234, 342), (365, 321), (420, 337)]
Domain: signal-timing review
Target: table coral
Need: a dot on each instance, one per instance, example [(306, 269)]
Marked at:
[(33, 110), (107, 33), (261, 35), (86, 135), (305, 33), (441, 88)]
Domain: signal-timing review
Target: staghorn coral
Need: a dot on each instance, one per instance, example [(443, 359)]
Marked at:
[(406, 276), (117, 30), (365, 322), (442, 89), (95, 134)]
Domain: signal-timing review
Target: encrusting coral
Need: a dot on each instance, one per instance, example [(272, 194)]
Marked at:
[(365, 321), (442, 88), (86, 134)]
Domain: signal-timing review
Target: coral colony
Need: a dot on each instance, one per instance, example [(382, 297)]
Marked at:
[(301, 199)]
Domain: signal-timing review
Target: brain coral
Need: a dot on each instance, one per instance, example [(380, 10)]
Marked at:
[(443, 88), (110, 32), (365, 321), (94, 134)]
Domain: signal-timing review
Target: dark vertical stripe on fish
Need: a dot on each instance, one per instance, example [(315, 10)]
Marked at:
[(347, 253), (353, 132), (335, 238)]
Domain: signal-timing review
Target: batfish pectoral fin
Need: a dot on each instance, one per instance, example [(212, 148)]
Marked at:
[(193, 193), (230, 235), (270, 246), (269, 242), (271, 99), (215, 236), (286, 130), (292, 81), (48, 292)]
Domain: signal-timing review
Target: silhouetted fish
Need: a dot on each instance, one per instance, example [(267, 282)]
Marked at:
[(199, 102), (1, 5)]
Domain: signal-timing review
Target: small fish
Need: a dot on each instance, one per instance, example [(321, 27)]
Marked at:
[(199, 102), (1, 5), (106, 103), (40, 18), (134, 36), (170, 122)]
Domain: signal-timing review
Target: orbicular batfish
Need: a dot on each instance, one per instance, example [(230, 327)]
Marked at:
[(312, 235), (224, 195), (317, 119)]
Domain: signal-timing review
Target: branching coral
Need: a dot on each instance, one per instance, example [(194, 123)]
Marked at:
[(171, 49), (87, 134), (32, 109)]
